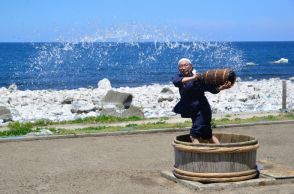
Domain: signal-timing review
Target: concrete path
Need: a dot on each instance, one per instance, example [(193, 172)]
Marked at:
[(121, 164)]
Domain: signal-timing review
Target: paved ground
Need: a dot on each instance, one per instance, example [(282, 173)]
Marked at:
[(120, 164)]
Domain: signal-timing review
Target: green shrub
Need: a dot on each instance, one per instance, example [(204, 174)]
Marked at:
[(131, 125), (17, 129)]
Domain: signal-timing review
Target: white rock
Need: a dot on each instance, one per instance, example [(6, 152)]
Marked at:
[(3, 90), (281, 60), (244, 96), (82, 106), (12, 88), (42, 132), (165, 97), (104, 84)]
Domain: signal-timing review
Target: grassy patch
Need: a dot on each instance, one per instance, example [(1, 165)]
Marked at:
[(104, 119), (280, 117), (97, 129), (87, 120), (160, 125), (18, 129), (128, 127)]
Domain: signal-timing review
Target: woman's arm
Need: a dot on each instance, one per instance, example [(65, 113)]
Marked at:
[(214, 90), (187, 79), (227, 85)]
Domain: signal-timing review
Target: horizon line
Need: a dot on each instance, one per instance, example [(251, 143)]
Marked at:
[(146, 41)]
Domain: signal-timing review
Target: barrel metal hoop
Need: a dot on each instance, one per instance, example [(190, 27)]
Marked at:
[(215, 180), (206, 76), (224, 75), (215, 76), (215, 149), (214, 175)]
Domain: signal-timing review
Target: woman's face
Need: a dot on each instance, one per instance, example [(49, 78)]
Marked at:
[(185, 68)]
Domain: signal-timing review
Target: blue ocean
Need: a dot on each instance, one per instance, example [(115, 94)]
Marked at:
[(67, 65)]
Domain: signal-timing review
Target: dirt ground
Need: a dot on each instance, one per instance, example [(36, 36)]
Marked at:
[(121, 164)]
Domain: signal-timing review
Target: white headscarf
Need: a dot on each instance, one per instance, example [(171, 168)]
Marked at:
[(188, 61), (184, 59)]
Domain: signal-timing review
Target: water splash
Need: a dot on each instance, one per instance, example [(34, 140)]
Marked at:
[(128, 55)]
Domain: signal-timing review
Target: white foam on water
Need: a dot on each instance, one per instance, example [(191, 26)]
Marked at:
[(51, 58), (251, 64)]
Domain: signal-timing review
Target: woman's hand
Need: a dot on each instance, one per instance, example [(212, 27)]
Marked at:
[(227, 85), (196, 76)]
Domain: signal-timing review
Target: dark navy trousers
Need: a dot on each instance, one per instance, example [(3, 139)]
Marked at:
[(201, 123)]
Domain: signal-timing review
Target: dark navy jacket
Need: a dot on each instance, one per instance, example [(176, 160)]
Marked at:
[(192, 96)]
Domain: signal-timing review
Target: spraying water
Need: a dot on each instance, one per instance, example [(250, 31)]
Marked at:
[(129, 55)]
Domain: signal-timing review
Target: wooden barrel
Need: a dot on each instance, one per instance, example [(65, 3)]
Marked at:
[(218, 77), (234, 159)]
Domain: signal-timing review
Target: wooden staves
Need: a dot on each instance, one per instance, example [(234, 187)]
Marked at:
[(232, 160), (218, 77)]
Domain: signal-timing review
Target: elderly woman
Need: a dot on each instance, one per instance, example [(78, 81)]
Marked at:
[(193, 103)]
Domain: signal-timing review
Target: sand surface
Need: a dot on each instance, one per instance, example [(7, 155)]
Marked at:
[(121, 164)]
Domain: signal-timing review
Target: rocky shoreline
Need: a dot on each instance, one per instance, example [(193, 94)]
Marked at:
[(148, 101)]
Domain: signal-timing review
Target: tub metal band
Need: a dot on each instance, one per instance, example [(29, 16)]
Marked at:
[(215, 175), (196, 149)]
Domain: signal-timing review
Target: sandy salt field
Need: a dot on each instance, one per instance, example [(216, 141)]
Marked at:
[(121, 164)]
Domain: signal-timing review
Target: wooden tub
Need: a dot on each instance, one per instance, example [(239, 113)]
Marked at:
[(234, 159)]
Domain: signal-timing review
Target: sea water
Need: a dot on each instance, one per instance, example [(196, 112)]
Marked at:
[(70, 65)]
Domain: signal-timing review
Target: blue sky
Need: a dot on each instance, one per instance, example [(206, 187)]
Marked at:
[(222, 20)]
